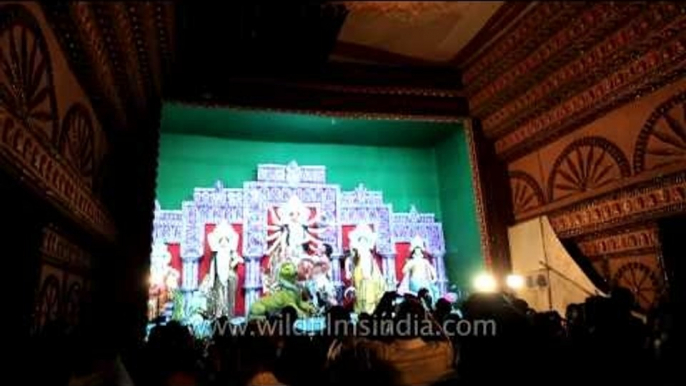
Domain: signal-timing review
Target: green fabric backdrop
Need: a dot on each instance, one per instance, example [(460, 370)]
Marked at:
[(434, 178)]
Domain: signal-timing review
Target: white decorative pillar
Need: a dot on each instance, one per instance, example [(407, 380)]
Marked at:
[(253, 282), (442, 278), (389, 273), (189, 281)]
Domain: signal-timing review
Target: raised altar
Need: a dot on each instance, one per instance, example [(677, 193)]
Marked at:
[(251, 211)]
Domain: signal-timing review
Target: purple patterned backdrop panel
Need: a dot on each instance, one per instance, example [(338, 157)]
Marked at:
[(411, 224), (367, 206), (274, 185), (167, 225), (408, 225), (264, 195)]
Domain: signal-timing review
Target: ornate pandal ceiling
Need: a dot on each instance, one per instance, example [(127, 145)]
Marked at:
[(566, 64), (122, 53), (401, 10), (432, 32), (527, 88)]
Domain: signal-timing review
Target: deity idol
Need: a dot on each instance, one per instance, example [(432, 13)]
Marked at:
[(221, 283), (295, 233), (367, 279), (294, 229), (322, 288), (164, 280), (418, 272)]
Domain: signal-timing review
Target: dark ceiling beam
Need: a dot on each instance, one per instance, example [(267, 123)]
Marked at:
[(361, 52), (375, 76), (329, 101)]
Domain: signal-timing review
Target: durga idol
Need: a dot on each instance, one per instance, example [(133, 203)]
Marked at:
[(294, 229)]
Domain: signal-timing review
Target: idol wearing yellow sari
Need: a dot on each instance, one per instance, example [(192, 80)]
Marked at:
[(367, 279)]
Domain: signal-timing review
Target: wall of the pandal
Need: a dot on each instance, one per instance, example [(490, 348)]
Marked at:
[(78, 127), (591, 122), (50, 136), (247, 208)]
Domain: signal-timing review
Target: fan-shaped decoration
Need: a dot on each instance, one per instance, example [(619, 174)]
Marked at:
[(73, 304), (26, 84), (586, 164), (48, 307), (77, 141), (662, 140), (641, 281), (526, 193)]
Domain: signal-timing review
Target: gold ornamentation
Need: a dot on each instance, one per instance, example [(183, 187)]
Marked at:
[(665, 196), (77, 141), (641, 280), (662, 141), (633, 240), (26, 81), (526, 194), (486, 249), (586, 164), (404, 11), (59, 183), (634, 79), (61, 251)]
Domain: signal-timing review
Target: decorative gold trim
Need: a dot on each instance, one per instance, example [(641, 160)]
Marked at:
[(631, 240), (38, 168), (61, 251), (658, 198), (90, 34), (486, 249), (331, 113), (360, 89), (626, 184), (631, 80)]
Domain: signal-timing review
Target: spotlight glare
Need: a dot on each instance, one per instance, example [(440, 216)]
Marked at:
[(515, 282), (485, 283)]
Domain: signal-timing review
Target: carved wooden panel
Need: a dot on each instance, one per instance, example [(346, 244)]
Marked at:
[(120, 53), (526, 193), (653, 200), (77, 141), (630, 241), (72, 303), (61, 252), (662, 140), (641, 275), (642, 28), (29, 127), (26, 84), (49, 302), (569, 71), (65, 271), (586, 164)]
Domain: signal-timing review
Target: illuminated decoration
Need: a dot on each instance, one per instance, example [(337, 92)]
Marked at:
[(515, 282), (248, 208), (485, 282)]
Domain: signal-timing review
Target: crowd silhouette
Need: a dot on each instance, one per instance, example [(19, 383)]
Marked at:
[(598, 341)]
